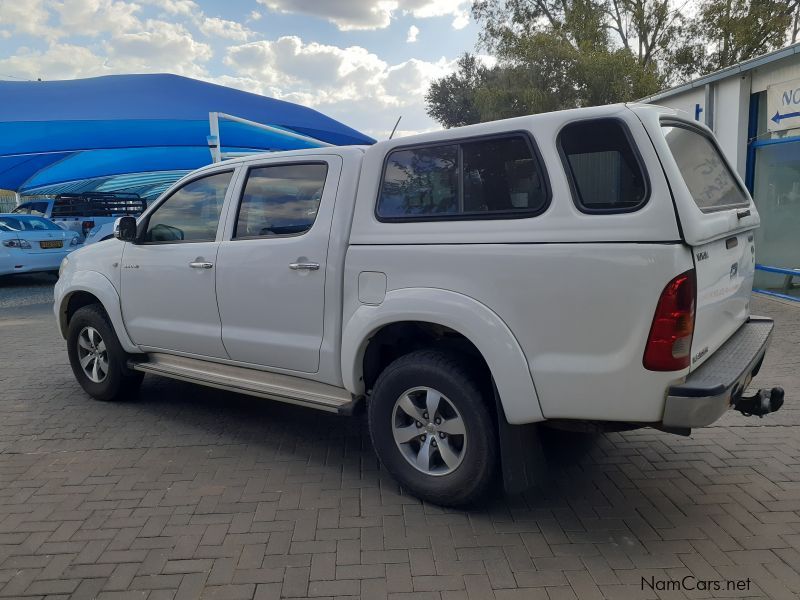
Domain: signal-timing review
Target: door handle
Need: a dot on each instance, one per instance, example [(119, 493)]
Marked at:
[(201, 265), (304, 266)]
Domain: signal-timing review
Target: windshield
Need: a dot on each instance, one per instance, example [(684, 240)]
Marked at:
[(27, 224), (708, 177)]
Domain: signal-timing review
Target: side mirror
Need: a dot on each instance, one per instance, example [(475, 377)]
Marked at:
[(125, 229)]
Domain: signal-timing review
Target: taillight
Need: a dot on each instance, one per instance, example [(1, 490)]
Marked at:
[(16, 243), (87, 226), (670, 342)]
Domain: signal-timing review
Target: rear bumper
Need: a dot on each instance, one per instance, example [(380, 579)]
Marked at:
[(26, 262), (711, 390)]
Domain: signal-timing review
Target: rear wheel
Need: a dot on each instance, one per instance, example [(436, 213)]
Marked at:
[(431, 428), (97, 358)]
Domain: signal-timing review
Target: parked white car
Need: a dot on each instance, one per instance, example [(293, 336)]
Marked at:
[(584, 269), (31, 244)]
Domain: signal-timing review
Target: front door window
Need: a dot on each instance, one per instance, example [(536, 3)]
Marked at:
[(190, 214)]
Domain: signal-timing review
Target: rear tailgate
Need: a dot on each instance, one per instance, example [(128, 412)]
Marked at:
[(717, 219)]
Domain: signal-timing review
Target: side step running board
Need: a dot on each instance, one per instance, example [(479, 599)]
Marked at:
[(274, 386)]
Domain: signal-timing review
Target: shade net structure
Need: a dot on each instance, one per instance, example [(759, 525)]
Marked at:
[(139, 133)]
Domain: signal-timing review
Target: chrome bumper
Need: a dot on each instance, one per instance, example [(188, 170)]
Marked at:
[(719, 382)]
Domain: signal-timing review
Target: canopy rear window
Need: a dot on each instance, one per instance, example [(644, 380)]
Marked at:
[(495, 177), (710, 181)]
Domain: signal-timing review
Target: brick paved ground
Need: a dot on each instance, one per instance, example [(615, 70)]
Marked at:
[(190, 493)]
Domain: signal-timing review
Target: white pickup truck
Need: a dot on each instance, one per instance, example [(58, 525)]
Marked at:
[(588, 268)]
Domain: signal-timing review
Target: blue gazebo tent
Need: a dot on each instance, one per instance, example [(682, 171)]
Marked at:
[(139, 132)]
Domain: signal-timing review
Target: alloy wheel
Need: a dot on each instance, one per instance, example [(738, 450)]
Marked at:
[(92, 354), (429, 431)]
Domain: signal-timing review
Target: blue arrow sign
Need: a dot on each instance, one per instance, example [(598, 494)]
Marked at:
[(778, 117)]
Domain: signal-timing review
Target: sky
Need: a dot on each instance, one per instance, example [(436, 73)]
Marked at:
[(363, 62)]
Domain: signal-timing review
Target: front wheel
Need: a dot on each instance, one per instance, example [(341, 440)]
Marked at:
[(97, 358), (431, 428)]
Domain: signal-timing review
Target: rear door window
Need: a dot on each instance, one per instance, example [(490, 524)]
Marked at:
[(604, 170), (496, 177), (280, 200), (708, 177)]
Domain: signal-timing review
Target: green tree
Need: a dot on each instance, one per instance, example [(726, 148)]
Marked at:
[(730, 31), (451, 100), (554, 54)]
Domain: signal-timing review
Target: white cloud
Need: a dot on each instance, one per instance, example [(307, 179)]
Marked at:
[(425, 9), (461, 20), (345, 14), (175, 7), (96, 17), (160, 46), (351, 84), (413, 32), (373, 14), (222, 28), (59, 61), (30, 18), (289, 62), (254, 16)]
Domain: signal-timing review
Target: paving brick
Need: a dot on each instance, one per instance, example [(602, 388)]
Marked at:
[(437, 583), (258, 575), (229, 592), (343, 587), (361, 571), (323, 566), (195, 493), (191, 586), (398, 578), (295, 582)]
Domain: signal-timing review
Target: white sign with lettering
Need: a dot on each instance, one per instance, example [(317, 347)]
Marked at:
[(783, 105)]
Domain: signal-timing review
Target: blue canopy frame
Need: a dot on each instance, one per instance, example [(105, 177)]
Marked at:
[(87, 132)]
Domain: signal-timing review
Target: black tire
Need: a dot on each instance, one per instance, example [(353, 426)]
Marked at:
[(119, 382), (446, 373)]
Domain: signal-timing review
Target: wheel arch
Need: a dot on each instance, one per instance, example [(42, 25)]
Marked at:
[(480, 326), (90, 287)]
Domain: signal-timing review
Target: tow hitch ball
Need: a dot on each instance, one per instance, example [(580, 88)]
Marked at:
[(761, 403)]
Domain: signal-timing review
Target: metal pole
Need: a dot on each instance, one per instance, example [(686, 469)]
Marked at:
[(214, 143), (278, 130)]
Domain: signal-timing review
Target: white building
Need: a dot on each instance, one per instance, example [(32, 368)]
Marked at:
[(754, 110)]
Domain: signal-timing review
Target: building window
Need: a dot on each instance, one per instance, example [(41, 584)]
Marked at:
[(776, 192)]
